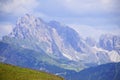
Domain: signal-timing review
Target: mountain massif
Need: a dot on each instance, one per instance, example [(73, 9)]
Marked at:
[(55, 48)]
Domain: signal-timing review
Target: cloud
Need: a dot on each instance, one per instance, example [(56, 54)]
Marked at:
[(16, 7), (95, 32), (60, 8), (91, 6), (5, 29)]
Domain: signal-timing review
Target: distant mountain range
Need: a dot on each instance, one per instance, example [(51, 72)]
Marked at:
[(55, 48), (24, 58)]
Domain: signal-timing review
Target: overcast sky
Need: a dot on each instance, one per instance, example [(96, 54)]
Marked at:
[(88, 17)]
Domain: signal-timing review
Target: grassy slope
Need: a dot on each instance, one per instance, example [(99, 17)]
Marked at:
[(9, 72)]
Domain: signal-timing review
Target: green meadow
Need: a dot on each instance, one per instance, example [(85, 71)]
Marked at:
[(9, 72)]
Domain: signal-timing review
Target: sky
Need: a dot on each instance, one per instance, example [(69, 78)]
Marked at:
[(87, 17)]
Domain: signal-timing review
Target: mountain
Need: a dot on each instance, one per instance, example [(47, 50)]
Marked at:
[(60, 45), (111, 45), (109, 71), (58, 49), (9, 72), (26, 58), (110, 42)]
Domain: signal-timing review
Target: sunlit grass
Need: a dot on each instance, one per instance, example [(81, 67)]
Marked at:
[(8, 72)]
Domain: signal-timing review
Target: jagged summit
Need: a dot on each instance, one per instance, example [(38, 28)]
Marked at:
[(30, 20), (29, 26)]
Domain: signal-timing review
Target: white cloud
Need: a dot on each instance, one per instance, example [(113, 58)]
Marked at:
[(94, 32), (5, 29), (82, 6), (16, 7)]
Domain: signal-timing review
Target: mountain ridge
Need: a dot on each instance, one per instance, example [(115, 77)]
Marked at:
[(61, 43)]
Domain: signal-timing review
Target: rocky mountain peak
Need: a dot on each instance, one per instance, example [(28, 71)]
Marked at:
[(62, 42), (29, 21), (29, 26)]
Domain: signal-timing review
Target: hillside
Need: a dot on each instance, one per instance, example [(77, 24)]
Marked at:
[(110, 71), (9, 72)]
